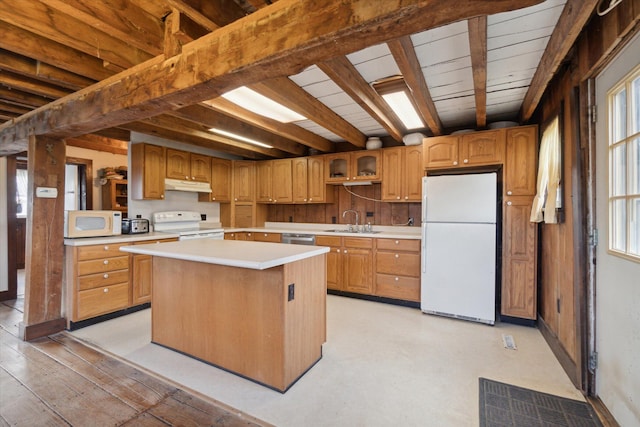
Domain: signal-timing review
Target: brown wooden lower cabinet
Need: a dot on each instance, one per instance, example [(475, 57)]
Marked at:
[(97, 280), (387, 268), (398, 269), (142, 274), (519, 259)]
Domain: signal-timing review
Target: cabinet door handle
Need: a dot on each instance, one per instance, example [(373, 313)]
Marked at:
[(455, 163), (397, 197), (162, 196), (213, 198), (397, 278), (509, 193), (406, 197), (338, 250), (106, 248), (105, 275), (345, 251), (509, 203), (466, 160), (105, 290), (397, 256), (105, 262), (397, 242)]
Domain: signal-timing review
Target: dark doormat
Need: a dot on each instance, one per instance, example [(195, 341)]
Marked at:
[(509, 405)]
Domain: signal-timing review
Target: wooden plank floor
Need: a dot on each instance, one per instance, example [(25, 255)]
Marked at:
[(57, 380)]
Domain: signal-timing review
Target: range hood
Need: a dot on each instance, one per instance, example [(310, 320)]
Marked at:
[(181, 185), (354, 183)]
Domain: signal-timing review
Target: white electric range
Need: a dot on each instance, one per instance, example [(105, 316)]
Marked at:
[(187, 224)]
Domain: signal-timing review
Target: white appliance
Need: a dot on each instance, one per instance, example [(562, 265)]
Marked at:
[(187, 224), (459, 246), (90, 223)]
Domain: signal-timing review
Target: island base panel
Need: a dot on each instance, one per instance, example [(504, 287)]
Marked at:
[(241, 319)]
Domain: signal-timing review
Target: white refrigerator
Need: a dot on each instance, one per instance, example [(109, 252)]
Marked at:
[(459, 246)]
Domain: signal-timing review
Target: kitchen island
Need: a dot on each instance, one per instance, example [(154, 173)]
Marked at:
[(253, 308)]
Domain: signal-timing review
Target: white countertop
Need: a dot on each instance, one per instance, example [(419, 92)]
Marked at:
[(234, 253), (121, 238), (381, 231)]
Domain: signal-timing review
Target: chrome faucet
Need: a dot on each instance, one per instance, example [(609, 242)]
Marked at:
[(357, 216)]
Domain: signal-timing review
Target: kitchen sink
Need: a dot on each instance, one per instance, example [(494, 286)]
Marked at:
[(346, 230)]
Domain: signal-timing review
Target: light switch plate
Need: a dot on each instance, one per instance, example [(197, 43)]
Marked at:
[(47, 192)]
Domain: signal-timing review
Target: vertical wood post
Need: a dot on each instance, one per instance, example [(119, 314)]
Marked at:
[(44, 247)]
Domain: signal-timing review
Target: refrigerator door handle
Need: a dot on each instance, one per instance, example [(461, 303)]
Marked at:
[(423, 252)]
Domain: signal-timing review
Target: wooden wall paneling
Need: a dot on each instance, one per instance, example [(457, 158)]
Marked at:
[(548, 278), (315, 213), (44, 249)]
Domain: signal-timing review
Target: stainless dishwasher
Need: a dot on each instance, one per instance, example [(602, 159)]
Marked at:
[(299, 239)]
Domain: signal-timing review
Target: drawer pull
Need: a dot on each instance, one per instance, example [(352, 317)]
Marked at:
[(338, 250), (397, 278), (397, 242), (106, 276), (105, 290), (345, 251), (509, 203), (106, 248), (397, 256), (105, 262), (265, 234)]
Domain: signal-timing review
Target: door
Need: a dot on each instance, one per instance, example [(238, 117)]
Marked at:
[(617, 288)]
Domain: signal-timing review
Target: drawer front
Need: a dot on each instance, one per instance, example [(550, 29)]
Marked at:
[(91, 281), (103, 265), (399, 287), (94, 302), (358, 242), (267, 237), (399, 244), (147, 242), (328, 241), (404, 263), (100, 251)]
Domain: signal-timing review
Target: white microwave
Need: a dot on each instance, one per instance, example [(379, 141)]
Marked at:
[(92, 223)]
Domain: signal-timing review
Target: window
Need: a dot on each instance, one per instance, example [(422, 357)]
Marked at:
[(623, 103)]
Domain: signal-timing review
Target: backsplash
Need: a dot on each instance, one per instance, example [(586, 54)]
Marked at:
[(381, 213)]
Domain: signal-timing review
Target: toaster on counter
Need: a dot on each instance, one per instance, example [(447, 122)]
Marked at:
[(135, 225)]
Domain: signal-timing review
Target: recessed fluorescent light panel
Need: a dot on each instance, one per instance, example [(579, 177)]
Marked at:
[(259, 104), (402, 106), (396, 94), (239, 137)]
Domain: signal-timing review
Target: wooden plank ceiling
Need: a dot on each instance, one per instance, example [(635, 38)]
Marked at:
[(464, 74)]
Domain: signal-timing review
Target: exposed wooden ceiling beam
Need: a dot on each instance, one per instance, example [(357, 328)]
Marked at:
[(574, 16), (47, 51), (36, 87), (99, 143), (115, 133), (12, 108), (189, 128), (24, 99), (45, 21), (407, 60), (345, 75), (151, 129), (478, 45), (286, 130), (289, 94), (209, 14), (131, 23), (332, 27), (208, 117), (47, 73)]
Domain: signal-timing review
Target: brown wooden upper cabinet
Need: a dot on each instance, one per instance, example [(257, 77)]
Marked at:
[(188, 166), (244, 173), (364, 165), (274, 181), (521, 161), (472, 149), (308, 184), (402, 173), (220, 182), (147, 175)]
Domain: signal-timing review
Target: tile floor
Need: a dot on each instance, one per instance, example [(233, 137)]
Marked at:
[(382, 365)]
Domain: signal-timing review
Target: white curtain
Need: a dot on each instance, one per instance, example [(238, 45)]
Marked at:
[(545, 202)]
